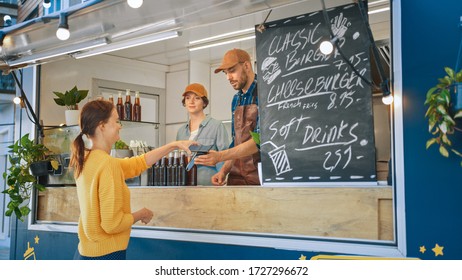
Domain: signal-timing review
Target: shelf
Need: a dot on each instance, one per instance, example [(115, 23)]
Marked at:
[(124, 124), (138, 124)]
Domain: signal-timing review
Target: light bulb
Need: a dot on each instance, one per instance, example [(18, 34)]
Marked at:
[(7, 20), (17, 100), (63, 33), (326, 47), (135, 4), (46, 4), (387, 100)]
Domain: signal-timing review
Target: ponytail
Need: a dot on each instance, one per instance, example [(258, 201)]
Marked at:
[(78, 155)]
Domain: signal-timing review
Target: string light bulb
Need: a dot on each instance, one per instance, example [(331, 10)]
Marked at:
[(327, 47), (387, 99), (135, 4), (46, 4), (17, 100), (63, 28), (7, 20)]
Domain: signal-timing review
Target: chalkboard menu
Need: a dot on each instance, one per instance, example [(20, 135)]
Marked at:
[(316, 116)]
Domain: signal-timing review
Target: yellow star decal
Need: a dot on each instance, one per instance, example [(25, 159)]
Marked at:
[(302, 258), (36, 239), (438, 250), (422, 249)]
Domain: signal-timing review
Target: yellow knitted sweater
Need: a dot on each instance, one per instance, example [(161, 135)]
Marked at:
[(105, 214)]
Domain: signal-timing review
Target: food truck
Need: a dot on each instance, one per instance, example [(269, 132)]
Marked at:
[(341, 172)]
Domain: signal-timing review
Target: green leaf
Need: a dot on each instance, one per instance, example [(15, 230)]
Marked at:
[(441, 109), (446, 140), (459, 77), (430, 92), (450, 72), (456, 152), (25, 210), (458, 114), (443, 127), (430, 142), (255, 137), (60, 102), (443, 151)]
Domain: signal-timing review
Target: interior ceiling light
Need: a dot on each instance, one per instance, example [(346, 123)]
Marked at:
[(116, 46), (221, 36), (135, 4), (46, 4), (220, 43), (34, 58), (63, 28)]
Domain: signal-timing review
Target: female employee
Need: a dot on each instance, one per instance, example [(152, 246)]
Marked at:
[(105, 215), (203, 129)]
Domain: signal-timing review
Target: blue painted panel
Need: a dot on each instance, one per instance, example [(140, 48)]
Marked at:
[(430, 37)]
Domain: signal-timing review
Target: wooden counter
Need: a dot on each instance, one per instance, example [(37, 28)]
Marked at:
[(347, 212)]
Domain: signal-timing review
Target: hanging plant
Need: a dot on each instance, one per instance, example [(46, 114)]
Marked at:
[(20, 180), (441, 114)]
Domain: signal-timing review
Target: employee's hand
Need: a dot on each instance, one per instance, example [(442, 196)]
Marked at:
[(219, 179), (210, 159)]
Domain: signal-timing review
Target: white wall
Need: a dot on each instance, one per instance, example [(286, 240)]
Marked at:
[(63, 75)]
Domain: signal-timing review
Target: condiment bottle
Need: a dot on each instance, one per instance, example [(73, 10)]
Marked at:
[(181, 169), (120, 106), (137, 108), (128, 106), (162, 172), (191, 176)]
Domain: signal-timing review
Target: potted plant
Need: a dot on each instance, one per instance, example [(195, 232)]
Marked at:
[(71, 99), (121, 150), (24, 155), (443, 111)]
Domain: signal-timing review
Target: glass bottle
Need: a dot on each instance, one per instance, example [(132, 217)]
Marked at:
[(191, 176), (170, 171), (120, 106), (176, 161), (137, 108), (181, 169), (128, 106), (155, 173), (162, 172), (111, 99)]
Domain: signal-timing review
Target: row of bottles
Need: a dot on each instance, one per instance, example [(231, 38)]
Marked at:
[(127, 111), (171, 171)]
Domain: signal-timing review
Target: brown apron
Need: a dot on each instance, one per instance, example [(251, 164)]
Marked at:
[(244, 170)]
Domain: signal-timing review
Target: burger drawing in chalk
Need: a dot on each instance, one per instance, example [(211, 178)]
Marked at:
[(270, 68)]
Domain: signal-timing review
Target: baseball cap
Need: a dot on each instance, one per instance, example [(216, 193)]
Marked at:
[(231, 58), (197, 89)]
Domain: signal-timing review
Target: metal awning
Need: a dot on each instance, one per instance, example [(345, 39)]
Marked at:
[(108, 25)]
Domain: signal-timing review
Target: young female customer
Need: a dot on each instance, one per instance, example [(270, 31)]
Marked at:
[(104, 198)]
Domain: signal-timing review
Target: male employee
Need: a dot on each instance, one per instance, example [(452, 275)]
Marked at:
[(243, 156)]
